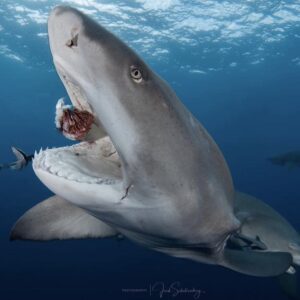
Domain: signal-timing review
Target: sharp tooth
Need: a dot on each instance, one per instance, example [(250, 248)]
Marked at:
[(52, 170), (35, 154)]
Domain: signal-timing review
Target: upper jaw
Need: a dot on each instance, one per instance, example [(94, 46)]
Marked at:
[(75, 92)]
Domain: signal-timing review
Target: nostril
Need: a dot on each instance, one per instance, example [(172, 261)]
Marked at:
[(73, 41)]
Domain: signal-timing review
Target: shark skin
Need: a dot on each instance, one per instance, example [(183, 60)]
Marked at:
[(149, 170)]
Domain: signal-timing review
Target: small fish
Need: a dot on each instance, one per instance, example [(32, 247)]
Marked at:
[(22, 160)]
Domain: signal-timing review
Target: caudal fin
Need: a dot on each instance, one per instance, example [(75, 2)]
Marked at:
[(22, 159)]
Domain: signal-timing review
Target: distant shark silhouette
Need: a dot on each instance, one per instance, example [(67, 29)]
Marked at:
[(290, 159)]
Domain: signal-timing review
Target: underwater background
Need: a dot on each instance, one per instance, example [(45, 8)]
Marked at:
[(234, 64)]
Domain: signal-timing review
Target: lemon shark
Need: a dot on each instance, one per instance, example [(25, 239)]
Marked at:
[(146, 168)]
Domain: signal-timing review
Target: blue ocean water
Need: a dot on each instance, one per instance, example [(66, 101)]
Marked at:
[(235, 65)]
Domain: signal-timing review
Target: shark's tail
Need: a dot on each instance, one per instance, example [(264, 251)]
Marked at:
[(22, 159)]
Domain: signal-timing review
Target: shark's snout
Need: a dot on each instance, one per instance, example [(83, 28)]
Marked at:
[(60, 9), (64, 15)]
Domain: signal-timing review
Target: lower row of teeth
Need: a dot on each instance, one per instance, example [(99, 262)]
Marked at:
[(42, 158)]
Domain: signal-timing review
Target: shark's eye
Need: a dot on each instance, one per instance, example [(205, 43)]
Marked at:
[(136, 74)]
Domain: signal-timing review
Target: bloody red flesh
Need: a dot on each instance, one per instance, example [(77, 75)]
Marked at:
[(76, 123)]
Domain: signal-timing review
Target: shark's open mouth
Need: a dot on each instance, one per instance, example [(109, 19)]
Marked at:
[(94, 160)]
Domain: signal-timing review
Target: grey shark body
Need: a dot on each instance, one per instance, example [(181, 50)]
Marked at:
[(152, 174)]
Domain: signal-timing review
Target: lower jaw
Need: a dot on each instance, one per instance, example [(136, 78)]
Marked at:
[(85, 195)]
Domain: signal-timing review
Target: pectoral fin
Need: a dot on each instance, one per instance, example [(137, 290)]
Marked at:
[(56, 218), (256, 262)]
